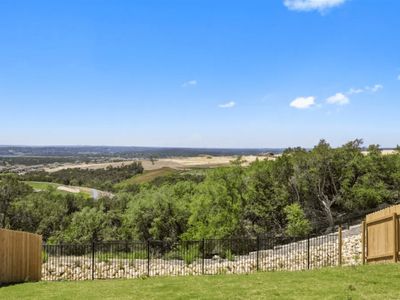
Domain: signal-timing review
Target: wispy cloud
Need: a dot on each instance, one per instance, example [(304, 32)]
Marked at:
[(303, 102), (310, 5), (190, 83), (229, 104), (372, 89), (338, 99), (375, 88), (353, 91)]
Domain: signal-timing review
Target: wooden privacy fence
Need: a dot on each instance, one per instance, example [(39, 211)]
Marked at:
[(380, 235), (20, 256)]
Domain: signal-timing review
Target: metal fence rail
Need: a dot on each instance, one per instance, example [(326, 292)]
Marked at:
[(129, 259)]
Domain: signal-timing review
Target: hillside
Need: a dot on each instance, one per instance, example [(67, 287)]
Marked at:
[(147, 176), (297, 193)]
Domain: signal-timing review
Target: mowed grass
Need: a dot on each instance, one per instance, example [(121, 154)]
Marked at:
[(364, 282), (43, 186)]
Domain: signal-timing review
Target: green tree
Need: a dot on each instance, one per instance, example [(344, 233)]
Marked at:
[(89, 224), (10, 190), (267, 195), (297, 223), (42, 213), (371, 182), (158, 213), (219, 204), (45, 212)]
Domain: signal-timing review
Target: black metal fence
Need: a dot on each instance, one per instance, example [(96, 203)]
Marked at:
[(108, 260)]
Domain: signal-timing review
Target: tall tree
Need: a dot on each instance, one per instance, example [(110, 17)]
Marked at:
[(10, 190)]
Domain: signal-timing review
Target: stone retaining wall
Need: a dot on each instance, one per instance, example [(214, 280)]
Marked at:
[(323, 252)]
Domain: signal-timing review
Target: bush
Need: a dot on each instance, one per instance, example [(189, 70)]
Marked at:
[(106, 256), (187, 254), (45, 257), (298, 224), (229, 255)]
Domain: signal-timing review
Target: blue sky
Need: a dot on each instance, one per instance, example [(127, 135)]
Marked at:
[(199, 73)]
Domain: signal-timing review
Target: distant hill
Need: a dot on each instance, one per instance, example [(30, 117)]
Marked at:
[(128, 152)]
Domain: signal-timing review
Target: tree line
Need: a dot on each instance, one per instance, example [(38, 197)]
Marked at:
[(102, 179), (299, 192)]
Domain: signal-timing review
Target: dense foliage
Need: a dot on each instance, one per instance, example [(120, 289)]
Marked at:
[(298, 192), (103, 179), (31, 161)]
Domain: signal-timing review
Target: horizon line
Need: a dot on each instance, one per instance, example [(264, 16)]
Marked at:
[(172, 147)]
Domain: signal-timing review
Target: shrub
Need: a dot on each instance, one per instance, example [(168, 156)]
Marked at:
[(188, 255), (229, 255), (45, 257), (298, 224)]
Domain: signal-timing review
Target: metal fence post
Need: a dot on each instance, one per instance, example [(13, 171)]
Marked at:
[(395, 237), (308, 252), (340, 245), (148, 258), (258, 249), (203, 255), (363, 241), (93, 250)]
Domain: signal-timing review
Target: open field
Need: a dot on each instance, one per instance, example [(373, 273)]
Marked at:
[(178, 163), (85, 191), (41, 186), (384, 152), (364, 282)]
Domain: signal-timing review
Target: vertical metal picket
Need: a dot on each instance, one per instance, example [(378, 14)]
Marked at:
[(340, 243), (148, 258), (258, 249), (203, 255), (93, 250), (308, 252)]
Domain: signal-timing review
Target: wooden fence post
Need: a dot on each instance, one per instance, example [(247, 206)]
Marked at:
[(395, 237), (340, 244), (363, 241)]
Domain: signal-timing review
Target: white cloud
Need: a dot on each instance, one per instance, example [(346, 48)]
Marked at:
[(339, 99), (303, 102), (375, 88), (353, 91), (229, 104), (309, 5), (190, 83), (372, 89)]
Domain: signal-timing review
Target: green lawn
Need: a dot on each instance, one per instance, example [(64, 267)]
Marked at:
[(367, 282), (39, 185), (42, 185)]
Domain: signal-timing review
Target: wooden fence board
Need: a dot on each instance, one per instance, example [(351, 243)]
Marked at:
[(20, 256), (381, 235), (387, 212)]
